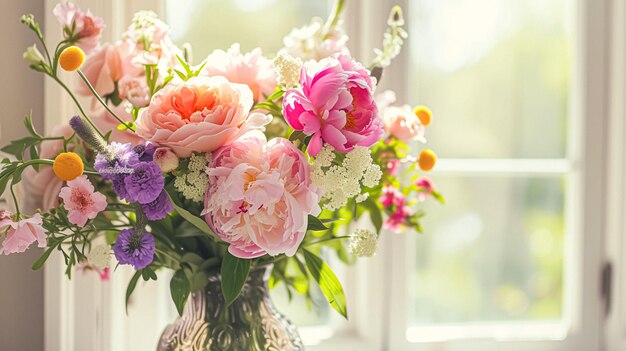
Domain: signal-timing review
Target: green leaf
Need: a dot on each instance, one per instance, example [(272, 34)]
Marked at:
[(41, 260), (28, 122), (179, 288), (131, 287), (315, 224), (196, 221), (296, 135), (276, 95), (375, 213), (234, 274), (327, 281)]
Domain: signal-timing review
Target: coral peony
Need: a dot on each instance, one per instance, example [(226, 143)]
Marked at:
[(82, 28), (335, 105), (251, 69), (20, 235), (260, 196), (199, 115)]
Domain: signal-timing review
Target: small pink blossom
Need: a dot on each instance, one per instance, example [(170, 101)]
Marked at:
[(335, 105), (84, 27), (252, 69), (20, 235), (81, 201), (392, 167), (426, 188), (260, 196), (391, 196), (135, 90), (85, 267), (398, 218)]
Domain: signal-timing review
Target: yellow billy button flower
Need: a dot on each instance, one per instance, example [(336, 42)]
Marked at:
[(72, 58), (424, 114), (68, 166), (427, 160)]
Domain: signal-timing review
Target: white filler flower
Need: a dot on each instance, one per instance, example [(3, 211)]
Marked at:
[(363, 243)]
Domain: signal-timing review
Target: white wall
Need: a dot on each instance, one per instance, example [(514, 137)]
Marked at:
[(21, 289)]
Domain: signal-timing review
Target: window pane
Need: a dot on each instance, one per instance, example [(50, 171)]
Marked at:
[(494, 252), (216, 24), (495, 72)]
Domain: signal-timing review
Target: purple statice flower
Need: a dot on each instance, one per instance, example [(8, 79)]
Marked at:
[(134, 248), (159, 208), (145, 152), (117, 161), (145, 184)]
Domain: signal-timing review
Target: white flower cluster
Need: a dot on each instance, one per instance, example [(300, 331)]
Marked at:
[(100, 256), (315, 41), (363, 243), (340, 182), (287, 70), (195, 183), (393, 39)]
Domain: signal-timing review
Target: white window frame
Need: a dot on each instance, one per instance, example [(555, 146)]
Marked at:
[(376, 288)]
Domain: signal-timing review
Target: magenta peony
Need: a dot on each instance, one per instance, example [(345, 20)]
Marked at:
[(260, 196), (335, 105)]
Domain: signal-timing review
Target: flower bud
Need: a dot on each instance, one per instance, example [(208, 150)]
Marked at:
[(166, 159), (33, 56)]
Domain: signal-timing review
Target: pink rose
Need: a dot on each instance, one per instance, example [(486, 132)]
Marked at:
[(251, 69), (84, 28), (402, 123), (426, 188), (335, 105), (199, 115), (42, 187), (260, 196), (20, 235), (103, 69), (135, 90), (106, 122)]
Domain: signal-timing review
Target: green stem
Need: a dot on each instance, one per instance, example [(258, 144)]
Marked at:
[(334, 17), (106, 106), (167, 255), (80, 108), (17, 205), (325, 240)]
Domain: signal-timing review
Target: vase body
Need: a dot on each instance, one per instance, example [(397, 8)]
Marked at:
[(251, 323)]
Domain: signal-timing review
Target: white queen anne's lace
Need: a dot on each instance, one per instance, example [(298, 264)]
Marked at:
[(194, 184), (363, 243), (341, 181), (287, 70), (100, 256)]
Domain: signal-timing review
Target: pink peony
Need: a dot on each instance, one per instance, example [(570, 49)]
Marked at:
[(20, 235), (199, 115), (335, 105), (42, 186), (260, 196), (81, 201), (84, 28), (251, 69)]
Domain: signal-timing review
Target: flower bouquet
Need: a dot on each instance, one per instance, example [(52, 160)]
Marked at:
[(235, 173)]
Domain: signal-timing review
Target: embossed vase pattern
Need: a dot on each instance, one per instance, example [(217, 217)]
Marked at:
[(251, 323)]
